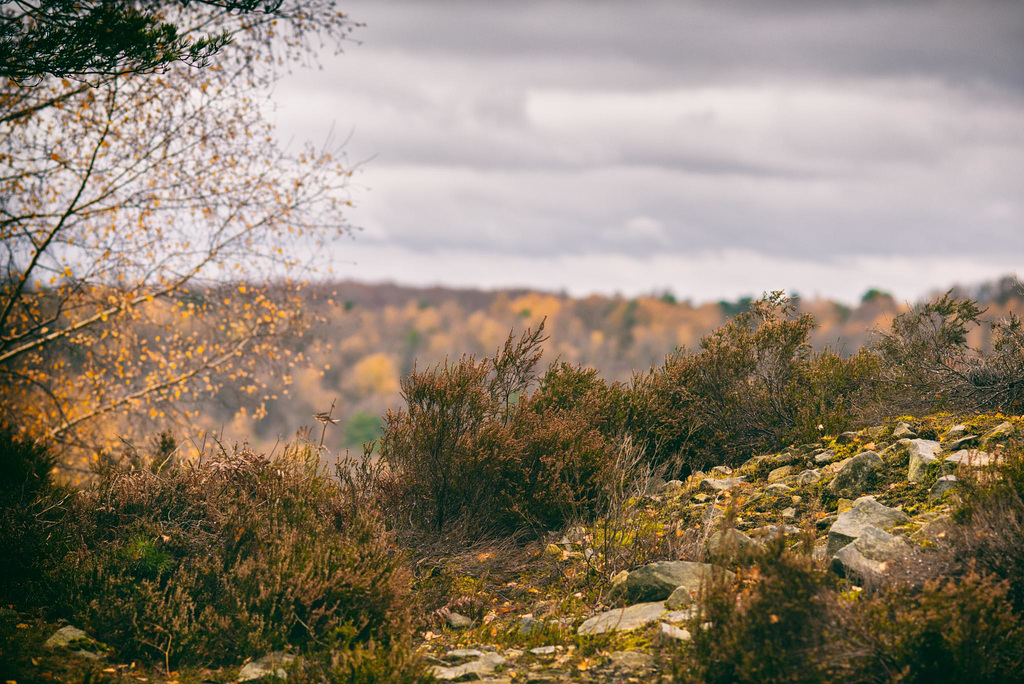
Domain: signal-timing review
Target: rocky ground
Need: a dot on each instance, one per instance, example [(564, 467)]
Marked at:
[(599, 602)]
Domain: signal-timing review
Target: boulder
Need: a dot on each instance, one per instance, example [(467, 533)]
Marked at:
[(668, 631), (867, 556), (846, 438), (670, 488), (777, 489), (458, 621), (623, 619), (657, 581), (64, 636), (627, 661), (865, 513), (962, 443), (825, 456), (923, 456), (858, 476), (954, 433), (270, 665)]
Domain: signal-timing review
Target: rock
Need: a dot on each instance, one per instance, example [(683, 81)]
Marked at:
[(825, 456), (729, 543), (955, 432), (270, 665), (808, 477), (656, 581), (858, 476), (789, 513), (962, 443), (463, 653), (529, 624), (543, 650), (865, 512), (64, 636), (617, 584), (903, 431), (970, 458), (766, 532), (460, 621), (630, 660), (777, 489), (923, 456), (722, 485), (672, 632), (780, 473), (999, 432), (868, 555), (846, 438), (670, 488), (721, 471), (485, 664), (77, 641), (944, 484), (874, 432), (623, 619)]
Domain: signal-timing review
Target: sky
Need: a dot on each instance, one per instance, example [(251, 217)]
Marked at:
[(714, 149)]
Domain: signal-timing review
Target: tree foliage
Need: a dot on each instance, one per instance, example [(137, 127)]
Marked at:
[(143, 218)]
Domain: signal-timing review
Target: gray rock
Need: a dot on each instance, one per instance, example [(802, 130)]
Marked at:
[(846, 438), (668, 631), (670, 488), (725, 484), (729, 543), (859, 475), (543, 650), (808, 477), (865, 512), (270, 665), (630, 660), (777, 489), (826, 456), (867, 556), (955, 432), (999, 432), (962, 443), (485, 664), (458, 621), (789, 513), (781, 472), (923, 457), (64, 636), (462, 653), (942, 486), (903, 431), (970, 458), (656, 581), (623, 619), (721, 471)]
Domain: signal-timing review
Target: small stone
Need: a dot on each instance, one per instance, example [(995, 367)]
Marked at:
[(846, 438), (858, 476), (460, 621), (728, 543), (461, 653), (777, 489), (954, 433), (722, 485), (721, 471), (789, 513), (808, 477), (270, 665), (903, 431), (781, 473), (796, 499), (943, 485), (825, 456), (657, 581), (485, 664), (999, 432), (672, 632), (630, 660), (962, 443), (63, 636), (553, 550), (671, 488), (543, 650)]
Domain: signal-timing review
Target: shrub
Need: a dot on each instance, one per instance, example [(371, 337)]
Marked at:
[(231, 557)]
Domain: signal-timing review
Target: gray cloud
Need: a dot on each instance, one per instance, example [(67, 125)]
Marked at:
[(805, 130)]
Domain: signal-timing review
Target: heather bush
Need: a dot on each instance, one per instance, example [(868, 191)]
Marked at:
[(234, 556)]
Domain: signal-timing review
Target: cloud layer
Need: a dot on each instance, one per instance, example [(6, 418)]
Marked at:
[(799, 134)]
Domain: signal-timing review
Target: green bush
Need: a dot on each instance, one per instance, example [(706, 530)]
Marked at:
[(232, 557)]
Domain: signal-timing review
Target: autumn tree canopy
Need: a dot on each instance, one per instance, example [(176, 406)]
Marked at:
[(154, 230)]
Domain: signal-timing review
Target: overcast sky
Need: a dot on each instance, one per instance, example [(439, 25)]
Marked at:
[(712, 148)]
